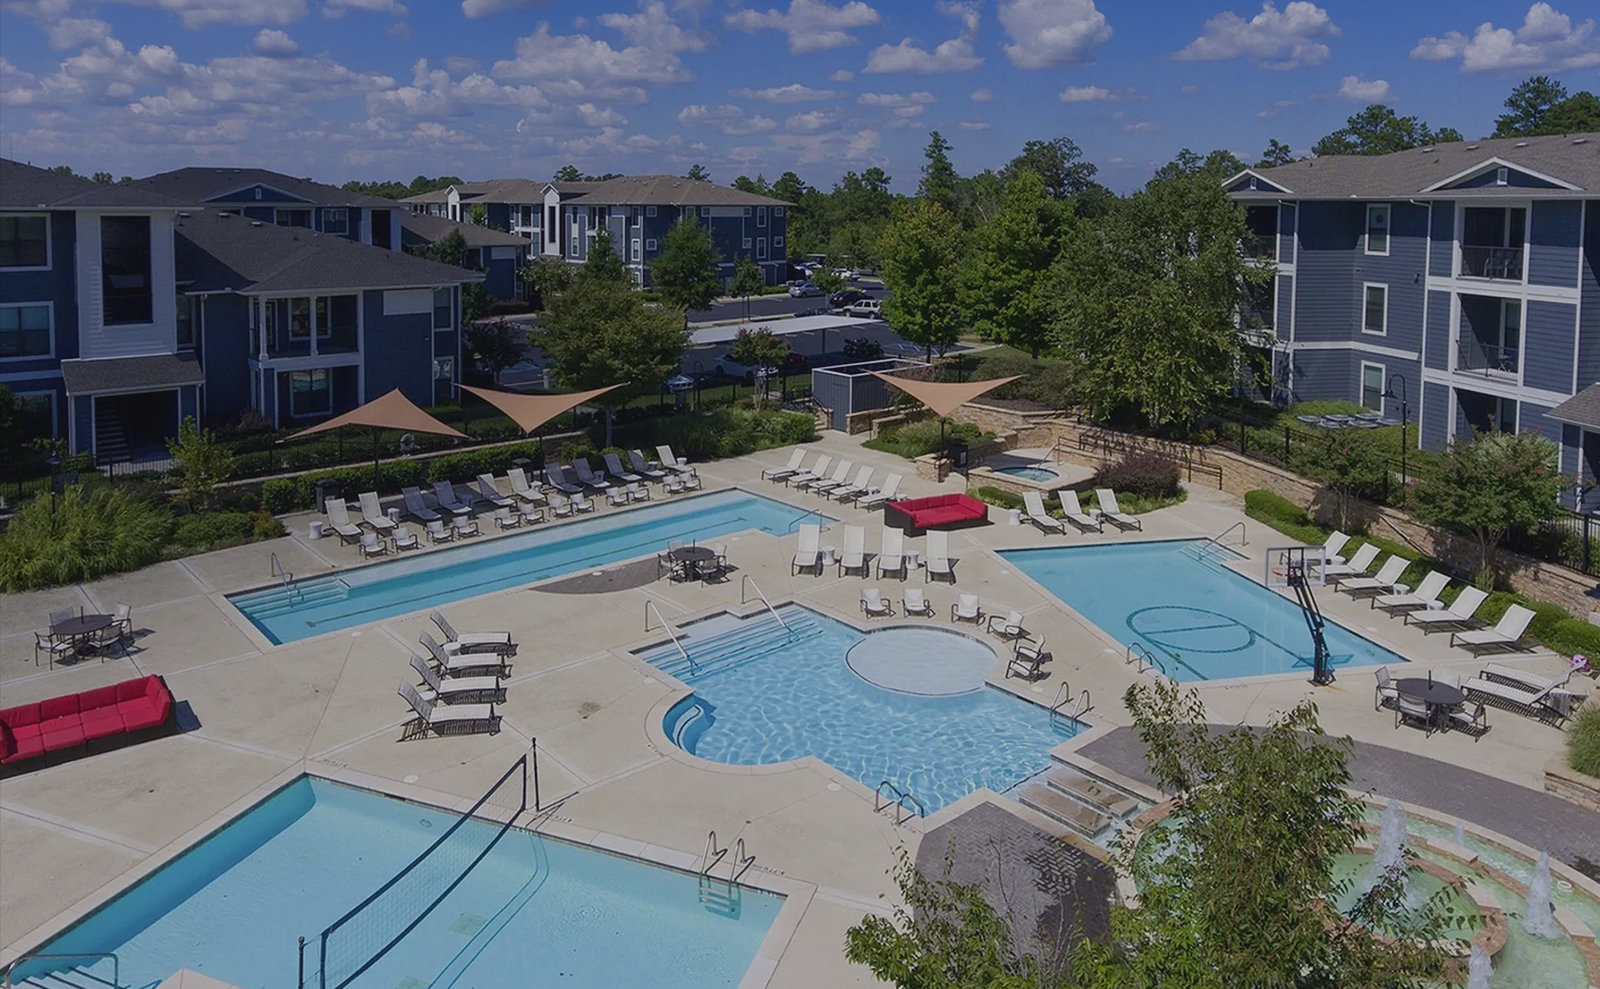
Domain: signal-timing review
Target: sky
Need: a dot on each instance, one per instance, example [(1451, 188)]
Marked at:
[(378, 89)]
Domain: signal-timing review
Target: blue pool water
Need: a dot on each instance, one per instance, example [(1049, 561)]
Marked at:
[(1037, 474), (535, 912), (764, 695), (368, 594), (1203, 621)]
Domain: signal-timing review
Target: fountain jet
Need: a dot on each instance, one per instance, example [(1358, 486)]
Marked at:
[(1541, 920)]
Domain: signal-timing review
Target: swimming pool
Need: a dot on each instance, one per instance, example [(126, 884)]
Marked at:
[(535, 911), (1041, 475), (1202, 620), (368, 594), (764, 694)]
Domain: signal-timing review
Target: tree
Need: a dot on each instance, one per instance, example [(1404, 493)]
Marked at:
[(940, 183), (1277, 153), (450, 249), (1217, 165), (568, 173), (1378, 130), (825, 279), (495, 345), (475, 301), (757, 185), (103, 178), (759, 348), (1059, 165), (603, 263), (548, 275), (1577, 114), (1148, 299), (1488, 485), (921, 250), (478, 214), (62, 170), (1351, 463), (200, 463), (698, 173), (686, 272), (1005, 288), (1527, 106), (747, 281)]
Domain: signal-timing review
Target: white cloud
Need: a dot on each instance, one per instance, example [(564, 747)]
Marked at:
[(335, 9), (197, 14), (1363, 90), (984, 96), (577, 65), (858, 147), (1276, 108), (274, 44), (1273, 39), (974, 125), (841, 75), (460, 63), (727, 119), (474, 9), (955, 55), (919, 98), (1189, 90), (654, 28), (1048, 33), (1141, 127), (813, 122), (1547, 41), (794, 92), (1097, 94), (811, 25), (74, 32)]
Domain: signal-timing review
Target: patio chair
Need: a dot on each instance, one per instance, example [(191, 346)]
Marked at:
[(643, 467), (586, 476), (452, 689), (339, 520), (1458, 615), (417, 508), (532, 514), (856, 488), (1333, 545), (372, 513), (967, 609), (1450, 678), (497, 642), (1384, 694), (1027, 660), (1549, 704), (874, 604), (915, 602), (1033, 511), (1506, 634), (445, 494), (521, 489), (560, 507), (792, 467), (1408, 708), (403, 538), (50, 647), (1383, 583), (817, 472), (672, 484), (809, 553), (617, 496), (882, 496), (614, 467), (581, 503), (637, 491), (1474, 722), (464, 525), (372, 545), (1075, 513), (119, 632), (670, 461), (558, 480), (437, 533), (1426, 595), (939, 563), (1010, 627), (1113, 514), (892, 555), (491, 494), (1358, 566), (690, 481), (62, 615), (507, 518), (441, 718), (839, 477), (854, 555), (455, 663), (1522, 678)]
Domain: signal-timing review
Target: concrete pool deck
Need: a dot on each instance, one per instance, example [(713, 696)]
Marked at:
[(327, 706)]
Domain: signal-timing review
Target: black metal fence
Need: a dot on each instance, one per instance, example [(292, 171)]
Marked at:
[(1571, 539)]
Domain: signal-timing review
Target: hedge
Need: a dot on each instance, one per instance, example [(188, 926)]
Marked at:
[(282, 495), (997, 497), (1583, 740)]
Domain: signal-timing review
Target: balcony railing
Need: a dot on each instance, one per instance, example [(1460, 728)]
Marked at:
[(1487, 358), (1501, 263)]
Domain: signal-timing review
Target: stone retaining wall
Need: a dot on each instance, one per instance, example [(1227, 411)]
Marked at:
[(1569, 784), (1032, 429)]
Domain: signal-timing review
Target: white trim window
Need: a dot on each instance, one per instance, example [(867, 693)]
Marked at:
[(777, 211), (444, 369), (443, 309), (635, 248), (649, 211), (291, 217), (336, 221), (650, 244), (747, 211), (761, 248), (761, 217), (777, 242), (310, 392), (1372, 386), (747, 243), (704, 211), (1377, 241), (27, 330), (1374, 308), (25, 242)]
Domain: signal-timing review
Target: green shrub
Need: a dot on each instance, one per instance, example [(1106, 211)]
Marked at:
[(1574, 637), (280, 495), (96, 532), (917, 439), (1583, 740), (712, 435), (1145, 473), (997, 496), (1138, 504), (214, 529), (1262, 504), (265, 526)]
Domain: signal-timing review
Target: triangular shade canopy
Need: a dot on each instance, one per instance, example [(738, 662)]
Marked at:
[(944, 397), (530, 412), (392, 411)]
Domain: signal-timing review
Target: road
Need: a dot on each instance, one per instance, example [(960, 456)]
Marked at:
[(772, 305)]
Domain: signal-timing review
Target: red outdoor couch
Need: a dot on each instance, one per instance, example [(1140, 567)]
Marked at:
[(938, 512), (32, 730)]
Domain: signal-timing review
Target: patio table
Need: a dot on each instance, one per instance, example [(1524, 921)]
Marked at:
[(1439, 696), (692, 556), (81, 629)]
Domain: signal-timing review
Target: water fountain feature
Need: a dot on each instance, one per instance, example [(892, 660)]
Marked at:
[(1461, 834), (1480, 969), (1390, 853), (1541, 919)]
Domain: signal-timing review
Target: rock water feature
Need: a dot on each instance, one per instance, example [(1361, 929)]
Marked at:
[(1541, 918)]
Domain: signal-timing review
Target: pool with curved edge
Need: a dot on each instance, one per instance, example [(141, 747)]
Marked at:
[(1039, 475)]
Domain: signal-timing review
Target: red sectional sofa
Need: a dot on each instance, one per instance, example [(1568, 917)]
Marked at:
[(938, 512), (32, 730)]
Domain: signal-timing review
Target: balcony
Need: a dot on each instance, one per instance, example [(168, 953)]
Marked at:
[(1490, 360), (1498, 263)]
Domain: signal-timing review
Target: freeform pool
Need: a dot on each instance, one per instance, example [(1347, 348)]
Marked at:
[(765, 694), (1202, 620), (535, 911), (369, 594)]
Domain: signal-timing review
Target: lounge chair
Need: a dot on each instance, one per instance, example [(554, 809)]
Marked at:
[(439, 718), (1522, 678), (875, 604), (915, 602), (497, 642), (615, 468), (524, 492), (464, 525), (939, 556), (1027, 660), (1474, 721), (507, 518), (1458, 615), (1550, 704), (643, 467), (637, 491), (1075, 513), (838, 479), (1033, 511), (554, 477), (581, 503), (339, 520), (1111, 513), (1506, 634), (855, 489), (437, 533), (809, 554), (967, 609), (892, 556), (452, 662), (1009, 627), (1384, 692), (854, 556), (417, 508), (404, 538), (617, 497), (1425, 596), (372, 545), (818, 471), (488, 492), (445, 494), (587, 477), (670, 461), (560, 507), (1408, 708), (451, 689), (1383, 583), (792, 467), (1333, 546), (1358, 566), (882, 496), (372, 513)]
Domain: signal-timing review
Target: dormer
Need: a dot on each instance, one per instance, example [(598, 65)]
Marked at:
[(1496, 172), (1251, 180), (257, 193)]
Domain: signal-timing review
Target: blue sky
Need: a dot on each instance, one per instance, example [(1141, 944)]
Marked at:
[(340, 89)]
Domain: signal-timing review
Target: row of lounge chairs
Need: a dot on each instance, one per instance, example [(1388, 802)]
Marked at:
[(890, 559), (1028, 651), (1108, 511), (838, 485), (1542, 697), (462, 685)]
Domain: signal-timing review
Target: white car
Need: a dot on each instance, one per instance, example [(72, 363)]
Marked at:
[(730, 368), (803, 291), (865, 309)]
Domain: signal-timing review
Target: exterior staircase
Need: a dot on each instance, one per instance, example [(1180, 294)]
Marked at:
[(1079, 800), (110, 431)]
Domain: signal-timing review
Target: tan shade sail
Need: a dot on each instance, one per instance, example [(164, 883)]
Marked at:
[(392, 411), (530, 412), (944, 397)]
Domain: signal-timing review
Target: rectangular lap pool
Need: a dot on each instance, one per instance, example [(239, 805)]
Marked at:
[(1201, 620), (369, 594), (534, 912)]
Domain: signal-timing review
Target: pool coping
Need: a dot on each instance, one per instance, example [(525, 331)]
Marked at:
[(797, 894)]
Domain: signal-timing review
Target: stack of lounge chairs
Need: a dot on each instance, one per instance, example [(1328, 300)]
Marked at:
[(1542, 697), (462, 684)]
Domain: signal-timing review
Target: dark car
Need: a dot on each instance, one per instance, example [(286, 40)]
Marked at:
[(839, 300)]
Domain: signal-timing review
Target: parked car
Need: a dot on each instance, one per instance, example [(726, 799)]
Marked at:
[(862, 347), (839, 300), (865, 309), (804, 290), (816, 311), (727, 367)]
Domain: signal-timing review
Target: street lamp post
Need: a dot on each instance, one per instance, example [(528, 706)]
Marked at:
[(1405, 411), (55, 463)]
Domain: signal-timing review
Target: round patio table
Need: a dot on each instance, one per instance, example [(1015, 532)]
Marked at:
[(81, 628), (1434, 693), (692, 556)]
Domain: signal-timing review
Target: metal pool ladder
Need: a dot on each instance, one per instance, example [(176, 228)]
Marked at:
[(752, 581), (903, 803), (282, 576), (649, 607), (1147, 660), (713, 855), (1244, 538), (1059, 709)]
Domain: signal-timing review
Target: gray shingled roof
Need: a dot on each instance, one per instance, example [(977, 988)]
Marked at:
[(488, 191), (432, 228), (194, 186), (127, 374), (27, 187), (1571, 158), (1582, 409), (669, 190), (218, 252)]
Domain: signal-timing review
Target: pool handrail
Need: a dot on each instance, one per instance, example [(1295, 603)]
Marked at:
[(650, 606), (1148, 663), (900, 802), (1064, 696), (822, 520), (41, 956), (763, 597)]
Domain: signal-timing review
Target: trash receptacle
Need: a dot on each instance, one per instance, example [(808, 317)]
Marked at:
[(1016, 516), (327, 489), (956, 450)]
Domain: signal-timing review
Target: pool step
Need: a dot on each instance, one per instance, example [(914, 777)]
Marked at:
[(1092, 792), (1057, 806), (753, 640), (69, 978), (276, 601), (723, 898)]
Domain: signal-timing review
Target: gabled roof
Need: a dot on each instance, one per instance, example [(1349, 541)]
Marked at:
[(669, 190), (220, 252), (1582, 409), (489, 191), (194, 186), (1572, 160), (27, 187), (433, 228), (125, 374)]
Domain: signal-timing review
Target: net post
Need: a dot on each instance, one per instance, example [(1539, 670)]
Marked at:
[(537, 805), (300, 973)]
